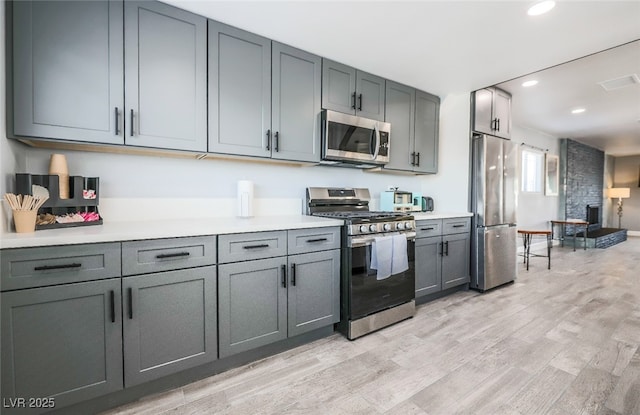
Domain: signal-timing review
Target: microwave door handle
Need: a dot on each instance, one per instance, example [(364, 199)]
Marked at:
[(376, 133)]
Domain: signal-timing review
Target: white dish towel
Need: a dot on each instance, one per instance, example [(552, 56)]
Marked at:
[(389, 255)]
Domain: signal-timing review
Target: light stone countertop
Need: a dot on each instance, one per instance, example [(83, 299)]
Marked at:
[(128, 231), (440, 215)]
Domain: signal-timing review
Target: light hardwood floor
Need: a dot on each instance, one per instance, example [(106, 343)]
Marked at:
[(558, 342)]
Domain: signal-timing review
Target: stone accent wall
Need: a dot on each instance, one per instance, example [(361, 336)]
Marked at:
[(585, 180), (611, 239)]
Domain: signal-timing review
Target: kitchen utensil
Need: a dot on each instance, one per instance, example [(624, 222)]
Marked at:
[(25, 209)]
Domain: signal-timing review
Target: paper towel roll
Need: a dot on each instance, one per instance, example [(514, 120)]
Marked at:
[(245, 198)]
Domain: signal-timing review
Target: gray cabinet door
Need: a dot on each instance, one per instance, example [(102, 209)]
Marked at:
[(428, 265), (455, 262), (426, 133), (239, 91), (400, 112), (483, 111), (370, 90), (296, 99), (314, 291), (63, 342), (338, 87), (169, 322), (252, 306), (165, 77), (502, 113), (68, 70)]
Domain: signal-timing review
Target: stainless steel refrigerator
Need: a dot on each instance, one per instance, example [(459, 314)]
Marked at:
[(494, 203)]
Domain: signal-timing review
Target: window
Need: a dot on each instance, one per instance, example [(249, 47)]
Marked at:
[(532, 170)]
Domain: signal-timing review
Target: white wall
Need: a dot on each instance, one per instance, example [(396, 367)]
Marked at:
[(626, 172), (535, 210)]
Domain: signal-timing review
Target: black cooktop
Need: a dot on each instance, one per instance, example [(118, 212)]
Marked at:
[(366, 215)]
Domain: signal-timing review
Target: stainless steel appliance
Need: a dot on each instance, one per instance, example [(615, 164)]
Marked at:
[(355, 140), (368, 303), (494, 203)]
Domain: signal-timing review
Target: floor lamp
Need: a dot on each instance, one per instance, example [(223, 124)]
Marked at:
[(620, 193)]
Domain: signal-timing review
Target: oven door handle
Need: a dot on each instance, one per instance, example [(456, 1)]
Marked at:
[(356, 242)]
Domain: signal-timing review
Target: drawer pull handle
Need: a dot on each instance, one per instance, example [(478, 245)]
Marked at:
[(174, 255), (427, 229), (317, 240), (112, 296), (50, 267), (458, 226), (256, 246)]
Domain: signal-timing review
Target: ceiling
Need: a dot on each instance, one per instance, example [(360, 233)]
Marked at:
[(449, 47)]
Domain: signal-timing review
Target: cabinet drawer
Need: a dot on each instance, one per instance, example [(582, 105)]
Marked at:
[(426, 228), (301, 241), (39, 267), (142, 257), (248, 246), (456, 225)]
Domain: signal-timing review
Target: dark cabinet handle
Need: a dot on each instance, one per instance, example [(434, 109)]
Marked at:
[(112, 296), (446, 248), (418, 157), (317, 240), (458, 226), (131, 125), (413, 158), (427, 229), (276, 145), (353, 101), (130, 293), (268, 140), (50, 267), (284, 275), (360, 102), (256, 246), (174, 255), (498, 123), (293, 274), (115, 113), (441, 248)]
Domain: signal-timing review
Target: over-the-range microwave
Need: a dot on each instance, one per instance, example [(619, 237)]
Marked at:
[(351, 139)]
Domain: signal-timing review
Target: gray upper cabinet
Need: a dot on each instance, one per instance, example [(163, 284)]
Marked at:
[(314, 291), (295, 117), (492, 112), (426, 132), (400, 112), (239, 92), (169, 322), (68, 70), (63, 342), (165, 77), (345, 89), (252, 305), (414, 116)]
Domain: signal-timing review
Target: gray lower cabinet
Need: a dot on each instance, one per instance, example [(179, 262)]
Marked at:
[(314, 291), (169, 322), (351, 91), (165, 77), (414, 117), (252, 304), (68, 70), (442, 254), (63, 342)]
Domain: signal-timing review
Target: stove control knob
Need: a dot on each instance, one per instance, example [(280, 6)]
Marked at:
[(399, 226), (408, 225), (387, 227), (364, 228), (373, 228)]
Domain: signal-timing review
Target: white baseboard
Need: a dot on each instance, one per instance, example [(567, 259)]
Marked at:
[(633, 233)]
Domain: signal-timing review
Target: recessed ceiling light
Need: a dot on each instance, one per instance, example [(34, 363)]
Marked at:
[(578, 111), (529, 83), (541, 7)]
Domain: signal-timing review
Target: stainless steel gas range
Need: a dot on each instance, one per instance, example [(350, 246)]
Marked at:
[(378, 259)]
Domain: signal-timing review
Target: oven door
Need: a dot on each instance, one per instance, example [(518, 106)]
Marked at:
[(367, 294)]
